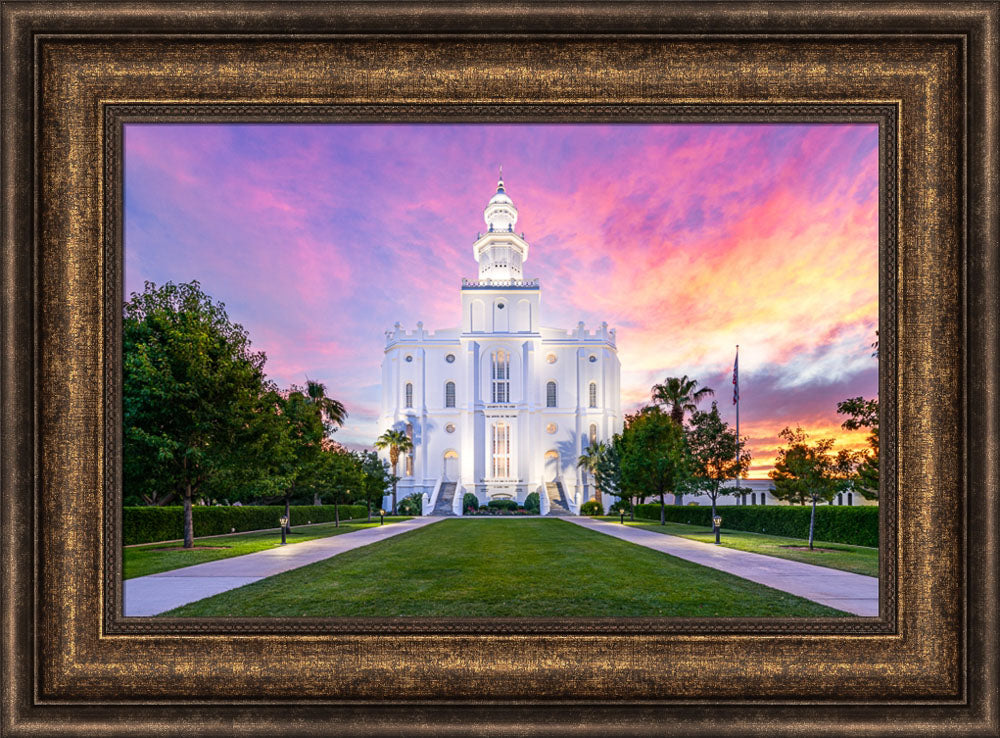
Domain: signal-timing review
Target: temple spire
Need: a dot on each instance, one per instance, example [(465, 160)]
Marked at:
[(500, 180)]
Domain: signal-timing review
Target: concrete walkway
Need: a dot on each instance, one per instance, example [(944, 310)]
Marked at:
[(156, 593), (843, 590)]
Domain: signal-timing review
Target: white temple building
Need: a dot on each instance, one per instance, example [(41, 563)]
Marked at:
[(500, 406)]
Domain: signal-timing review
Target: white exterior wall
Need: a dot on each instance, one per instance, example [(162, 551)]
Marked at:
[(475, 413), (500, 314)]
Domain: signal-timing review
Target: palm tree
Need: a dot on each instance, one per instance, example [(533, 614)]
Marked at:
[(679, 394), (396, 441), (589, 460), (333, 411)]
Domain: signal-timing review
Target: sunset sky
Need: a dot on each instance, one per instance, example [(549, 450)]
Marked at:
[(688, 239)]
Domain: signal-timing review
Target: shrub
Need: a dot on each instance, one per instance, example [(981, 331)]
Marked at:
[(619, 505), (470, 501), (591, 507), (410, 505), (532, 504), (502, 505), (150, 524), (834, 523)]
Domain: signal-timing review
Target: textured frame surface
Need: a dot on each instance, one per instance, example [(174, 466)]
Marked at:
[(67, 662)]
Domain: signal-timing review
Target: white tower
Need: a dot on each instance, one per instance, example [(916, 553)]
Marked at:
[(501, 253)]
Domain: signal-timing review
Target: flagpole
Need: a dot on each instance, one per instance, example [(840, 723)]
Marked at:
[(736, 396)]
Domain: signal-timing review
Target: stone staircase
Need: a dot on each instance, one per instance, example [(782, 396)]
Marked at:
[(446, 496), (557, 499)]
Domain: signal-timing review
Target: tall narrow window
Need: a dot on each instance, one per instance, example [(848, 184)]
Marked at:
[(593, 394), (501, 451), (501, 376), (550, 394), (449, 394), (850, 498), (593, 434), (409, 466), (753, 498), (408, 392)]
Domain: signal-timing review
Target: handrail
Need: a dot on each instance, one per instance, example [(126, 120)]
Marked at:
[(543, 499), (456, 503), (432, 502)]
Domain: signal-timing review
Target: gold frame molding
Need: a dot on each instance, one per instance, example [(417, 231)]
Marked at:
[(74, 72)]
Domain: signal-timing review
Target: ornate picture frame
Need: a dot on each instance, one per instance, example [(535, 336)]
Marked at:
[(74, 74)]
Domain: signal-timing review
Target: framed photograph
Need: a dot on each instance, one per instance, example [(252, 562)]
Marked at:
[(394, 368)]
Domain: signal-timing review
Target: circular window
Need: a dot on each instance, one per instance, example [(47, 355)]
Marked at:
[(450, 428), (592, 358), (450, 358), (551, 428), (551, 358), (500, 306), (408, 358)]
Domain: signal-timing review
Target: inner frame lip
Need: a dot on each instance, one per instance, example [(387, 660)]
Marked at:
[(116, 115)]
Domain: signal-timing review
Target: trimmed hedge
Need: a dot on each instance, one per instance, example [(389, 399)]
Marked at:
[(502, 505), (591, 507), (470, 500), (151, 524), (834, 523)]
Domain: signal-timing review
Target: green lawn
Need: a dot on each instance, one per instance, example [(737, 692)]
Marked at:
[(858, 559), (504, 568), (156, 557)]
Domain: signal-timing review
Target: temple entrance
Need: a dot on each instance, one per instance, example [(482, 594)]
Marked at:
[(450, 468), (551, 465)]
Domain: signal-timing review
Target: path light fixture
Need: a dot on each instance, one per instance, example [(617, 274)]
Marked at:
[(717, 522), (381, 517), (622, 511), (284, 524)]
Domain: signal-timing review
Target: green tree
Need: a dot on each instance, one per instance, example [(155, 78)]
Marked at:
[(863, 413), (655, 459), (588, 461), (339, 476), (376, 479), (397, 442), (806, 471), (608, 472), (717, 455), (331, 411), (680, 396), (303, 468), (192, 390)]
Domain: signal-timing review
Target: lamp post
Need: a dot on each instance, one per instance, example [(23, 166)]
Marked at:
[(284, 524), (717, 522), (622, 511), (381, 517)]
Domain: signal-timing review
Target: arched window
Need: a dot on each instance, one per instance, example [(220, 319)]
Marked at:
[(763, 498), (501, 376), (850, 498), (593, 434), (408, 392), (449, 394), (550, 394), (753, 498), (593, 394), (501, 451), (840, 498)]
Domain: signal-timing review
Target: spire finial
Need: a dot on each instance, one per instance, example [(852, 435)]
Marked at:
[(500, 180)]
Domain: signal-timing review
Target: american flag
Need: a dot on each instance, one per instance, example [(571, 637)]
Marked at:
[(736, 377)]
